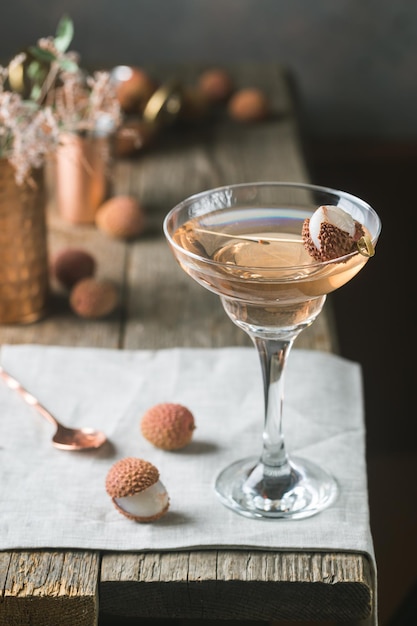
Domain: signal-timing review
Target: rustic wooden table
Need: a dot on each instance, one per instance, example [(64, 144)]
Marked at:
[(162, 307)]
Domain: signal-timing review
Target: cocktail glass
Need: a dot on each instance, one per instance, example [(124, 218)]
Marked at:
[(243, 242)]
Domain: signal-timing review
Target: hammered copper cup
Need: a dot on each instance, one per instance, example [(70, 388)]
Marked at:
[(82, 176), (24, 280)]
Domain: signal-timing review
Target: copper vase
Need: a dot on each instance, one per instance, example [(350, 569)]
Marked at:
[(81, 176), (24, 283)]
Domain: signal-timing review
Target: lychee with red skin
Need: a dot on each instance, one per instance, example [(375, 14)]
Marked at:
[(135, 89), (93, 298), (121, 217), (168, 426), (70, 265), (249, 105), (216, 84)]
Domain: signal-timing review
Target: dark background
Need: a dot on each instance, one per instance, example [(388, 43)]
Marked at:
[(354, 66)]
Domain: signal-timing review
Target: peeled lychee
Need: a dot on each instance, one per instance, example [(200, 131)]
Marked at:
[(70, 265), (168, 426), (136, 491), (93, 298), (249, 105), (331, 233), (121, 217)]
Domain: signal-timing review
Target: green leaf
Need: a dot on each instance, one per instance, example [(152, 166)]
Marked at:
[(64, 33), (35, 70), (68, 66), (35, 93), (42, 55)]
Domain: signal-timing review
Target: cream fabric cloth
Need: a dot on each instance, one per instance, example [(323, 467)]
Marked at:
[(56, 499)]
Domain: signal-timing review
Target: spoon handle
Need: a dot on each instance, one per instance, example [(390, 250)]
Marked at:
[(12, 383)]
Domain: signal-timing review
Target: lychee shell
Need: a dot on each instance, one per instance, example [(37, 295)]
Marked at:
[(121, 217), (216, 84), (168, 426), (129, 476), (249, 105), (93, 298), (134, 93), (70, 265)]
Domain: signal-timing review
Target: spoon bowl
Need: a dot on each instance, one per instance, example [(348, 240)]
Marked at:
[(77, 438), (64, 438)]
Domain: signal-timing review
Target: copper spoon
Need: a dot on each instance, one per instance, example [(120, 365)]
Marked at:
[(65, 438)]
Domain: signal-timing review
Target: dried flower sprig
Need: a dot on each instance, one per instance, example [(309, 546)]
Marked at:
[(61, 98), (85, 105), (80, 102), (27, 133)]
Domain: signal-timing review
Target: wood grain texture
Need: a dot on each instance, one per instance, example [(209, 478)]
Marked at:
[(48, 587), (161, 307), (232, 584)]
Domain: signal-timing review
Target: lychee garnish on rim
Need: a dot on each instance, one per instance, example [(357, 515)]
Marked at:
[(331, 233)]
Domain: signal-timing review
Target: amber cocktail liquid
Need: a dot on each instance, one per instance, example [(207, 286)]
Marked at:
[(261, 261)]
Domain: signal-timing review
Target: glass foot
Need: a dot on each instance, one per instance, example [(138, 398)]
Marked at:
[(254, 491)]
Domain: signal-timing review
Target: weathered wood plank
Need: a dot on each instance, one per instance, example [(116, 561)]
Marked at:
[(232, 584), (48, 588)]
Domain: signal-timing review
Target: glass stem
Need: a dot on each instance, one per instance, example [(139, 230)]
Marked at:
[(273, 356)]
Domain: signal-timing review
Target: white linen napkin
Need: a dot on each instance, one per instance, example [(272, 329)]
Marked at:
[(51, 498)]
